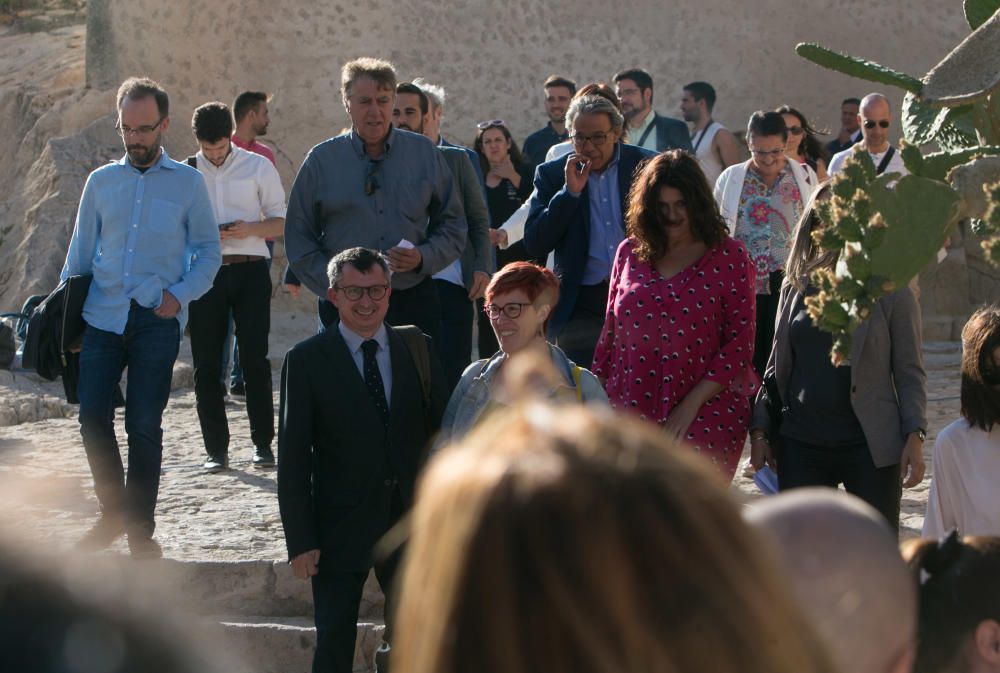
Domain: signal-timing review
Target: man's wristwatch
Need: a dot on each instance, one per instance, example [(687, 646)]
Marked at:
[(922, 434)]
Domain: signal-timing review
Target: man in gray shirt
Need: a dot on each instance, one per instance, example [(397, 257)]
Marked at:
[(379, 188)]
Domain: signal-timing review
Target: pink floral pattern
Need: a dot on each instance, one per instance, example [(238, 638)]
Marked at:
[(662, 336), (765, 221)]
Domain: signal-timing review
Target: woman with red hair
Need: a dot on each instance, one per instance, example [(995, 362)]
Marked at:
[(519, 301)]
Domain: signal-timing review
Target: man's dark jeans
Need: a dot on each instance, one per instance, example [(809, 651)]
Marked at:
[(245, 290), (148, 348), (455, 345)]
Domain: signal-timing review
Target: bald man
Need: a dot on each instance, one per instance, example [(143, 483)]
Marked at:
[(843, 563), (875, 119)]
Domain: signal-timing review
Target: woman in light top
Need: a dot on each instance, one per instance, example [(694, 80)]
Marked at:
[(519, 301), (966, 458)]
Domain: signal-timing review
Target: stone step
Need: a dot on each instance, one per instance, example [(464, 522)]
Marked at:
[(268, 644), (227, 587)]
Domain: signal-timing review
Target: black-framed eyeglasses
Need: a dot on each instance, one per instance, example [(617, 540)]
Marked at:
[(355, 292), (371, 180), (795, 130), (482, 126), (870, 123), (511, 310), (597, 139), (125, 131)]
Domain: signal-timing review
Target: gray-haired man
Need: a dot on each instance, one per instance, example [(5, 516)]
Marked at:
[(572, 193)]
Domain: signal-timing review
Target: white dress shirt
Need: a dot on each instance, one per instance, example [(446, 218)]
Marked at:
[(245, 187), (895, 164), (354, 341)]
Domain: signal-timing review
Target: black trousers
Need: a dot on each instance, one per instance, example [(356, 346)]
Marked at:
[(801, 464), (418, 305), (455, 345), (244, 289), (336, 599), (579, 337), (767, 312)]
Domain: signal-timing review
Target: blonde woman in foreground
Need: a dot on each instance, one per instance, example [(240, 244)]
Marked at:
[(573, 540)]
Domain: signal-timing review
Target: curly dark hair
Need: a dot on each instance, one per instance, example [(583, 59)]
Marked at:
[(643, 221)]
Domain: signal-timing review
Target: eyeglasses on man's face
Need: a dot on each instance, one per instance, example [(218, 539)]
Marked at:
[(512, 310), (595, 139), (870, 123), (355, 292), (126, 131)]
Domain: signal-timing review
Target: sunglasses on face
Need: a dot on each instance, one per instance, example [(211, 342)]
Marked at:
[(870, 123), (795, 130), (482, 126)]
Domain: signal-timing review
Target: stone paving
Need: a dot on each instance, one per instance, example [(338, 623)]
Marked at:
[(46, 493)]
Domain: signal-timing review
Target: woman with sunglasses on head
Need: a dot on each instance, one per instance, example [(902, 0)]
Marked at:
[(519, 301), (508, 184), (761, 200), (861, 424), (803, 143), (677, 339)]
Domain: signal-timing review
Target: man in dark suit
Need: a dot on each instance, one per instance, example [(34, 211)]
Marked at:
[(577, 210), (353, 428), (647, 128)]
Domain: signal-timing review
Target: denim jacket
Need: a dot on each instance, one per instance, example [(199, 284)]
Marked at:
[(472, 394)]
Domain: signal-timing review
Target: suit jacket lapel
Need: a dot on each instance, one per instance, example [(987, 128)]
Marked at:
[(346, 372)]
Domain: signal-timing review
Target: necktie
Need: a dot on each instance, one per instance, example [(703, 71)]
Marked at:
[(373, 380)]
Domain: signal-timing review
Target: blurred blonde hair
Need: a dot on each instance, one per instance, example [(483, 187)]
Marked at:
[(560, 539)]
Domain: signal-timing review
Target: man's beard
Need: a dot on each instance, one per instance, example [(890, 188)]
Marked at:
[(143, 155), (406, 127), (260, 130)]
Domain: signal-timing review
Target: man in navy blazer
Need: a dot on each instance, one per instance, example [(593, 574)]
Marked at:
[(577, 210), (646, 127)]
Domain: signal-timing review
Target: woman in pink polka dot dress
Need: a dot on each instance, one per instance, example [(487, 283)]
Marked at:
[(678, 336)]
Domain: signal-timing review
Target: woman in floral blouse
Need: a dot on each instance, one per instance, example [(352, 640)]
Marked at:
[(761, 200)]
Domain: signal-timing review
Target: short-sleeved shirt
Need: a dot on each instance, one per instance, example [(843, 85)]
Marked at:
[(765, 221)]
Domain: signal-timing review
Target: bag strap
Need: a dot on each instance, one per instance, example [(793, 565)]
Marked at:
[(577, 371), (884, 164), (192, 161), (416, 344)]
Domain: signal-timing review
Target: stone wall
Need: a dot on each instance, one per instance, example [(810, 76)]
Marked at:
[(491, 57)]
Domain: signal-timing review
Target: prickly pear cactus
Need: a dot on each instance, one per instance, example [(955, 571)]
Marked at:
[(884, 229), (886, 235)]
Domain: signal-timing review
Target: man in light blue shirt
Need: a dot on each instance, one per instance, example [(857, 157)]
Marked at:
[(146, 231)]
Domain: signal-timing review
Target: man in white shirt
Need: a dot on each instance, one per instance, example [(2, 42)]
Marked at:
[(875, 119), (713, 145), (249, 204)]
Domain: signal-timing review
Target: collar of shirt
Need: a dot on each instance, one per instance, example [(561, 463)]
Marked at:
[(354, 340), (636, 133), (236, 156), (562, 136), (359, 145), (162, 162)]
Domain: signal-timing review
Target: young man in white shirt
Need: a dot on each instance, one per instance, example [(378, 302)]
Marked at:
[(249, 204)]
